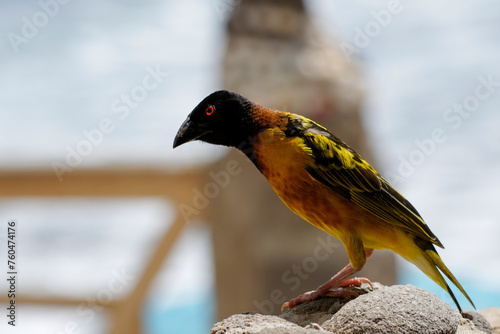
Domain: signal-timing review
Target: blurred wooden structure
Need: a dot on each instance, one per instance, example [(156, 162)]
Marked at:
[(125, 313)]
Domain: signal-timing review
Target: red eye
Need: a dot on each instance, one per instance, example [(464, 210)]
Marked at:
[(210, 110)]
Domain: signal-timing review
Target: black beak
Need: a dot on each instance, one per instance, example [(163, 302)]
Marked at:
[(189, 131)]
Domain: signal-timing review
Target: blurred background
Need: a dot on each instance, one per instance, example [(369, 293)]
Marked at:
[(118, 233)]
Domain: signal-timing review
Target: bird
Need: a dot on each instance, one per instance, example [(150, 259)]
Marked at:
[(325, 182)]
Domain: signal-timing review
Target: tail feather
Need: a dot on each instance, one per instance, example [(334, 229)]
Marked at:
[(434, 262), (434, 257)]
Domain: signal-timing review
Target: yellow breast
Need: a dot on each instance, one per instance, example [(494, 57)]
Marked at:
[(283, 162)]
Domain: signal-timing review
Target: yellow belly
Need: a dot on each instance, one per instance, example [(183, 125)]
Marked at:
[(282, 160)]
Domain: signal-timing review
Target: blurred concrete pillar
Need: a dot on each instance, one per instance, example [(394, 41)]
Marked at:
[(265, 254)]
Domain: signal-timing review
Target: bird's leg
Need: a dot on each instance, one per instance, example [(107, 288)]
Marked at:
[(336, 281)]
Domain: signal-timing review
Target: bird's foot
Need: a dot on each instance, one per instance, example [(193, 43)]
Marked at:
[(332, 292), (356, 281)]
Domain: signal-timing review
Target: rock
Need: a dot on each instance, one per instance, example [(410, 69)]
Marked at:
[(478, 321), (466, 326), (253, 323), (396, 309), (492, 315)]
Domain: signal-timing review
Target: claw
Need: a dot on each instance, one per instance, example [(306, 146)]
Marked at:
[(366, 280), (284, 305), (356, 281)]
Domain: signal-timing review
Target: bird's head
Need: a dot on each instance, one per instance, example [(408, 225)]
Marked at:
[(222, 118)]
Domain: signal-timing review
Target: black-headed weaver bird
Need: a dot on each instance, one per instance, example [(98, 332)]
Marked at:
[(325, 182)]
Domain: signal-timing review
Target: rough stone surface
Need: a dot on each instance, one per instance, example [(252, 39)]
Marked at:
[(466, 326), (479, 322), (492, 315), (253, 323), (396, 309)]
